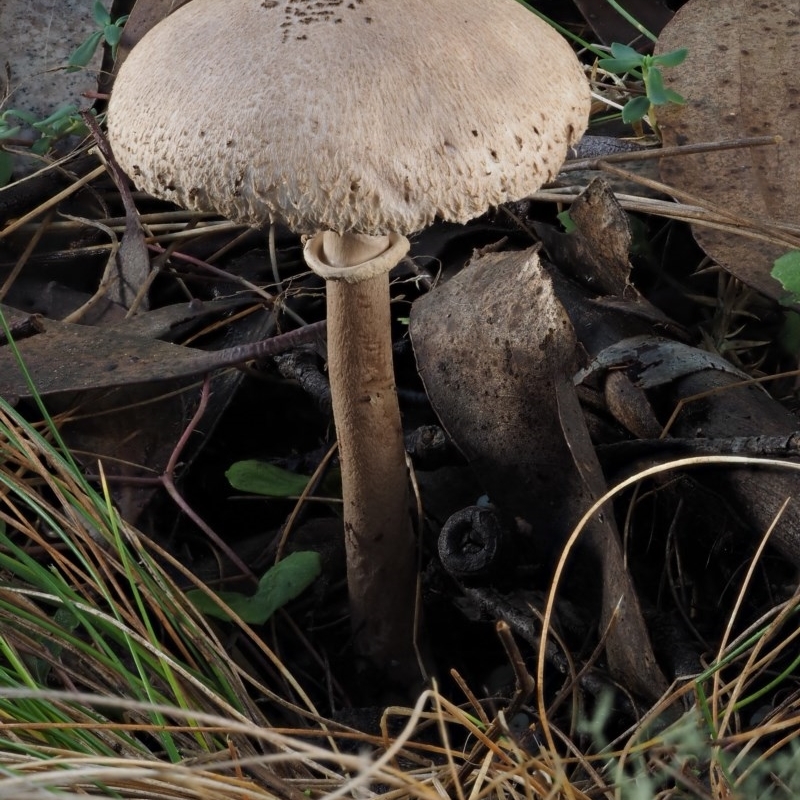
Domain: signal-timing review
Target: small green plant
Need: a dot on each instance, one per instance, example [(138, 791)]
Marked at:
[(626, 60), (63, 122), (281, 583), (66, 120), (108, 30), (786, 270), (566, 221), (268, 480)]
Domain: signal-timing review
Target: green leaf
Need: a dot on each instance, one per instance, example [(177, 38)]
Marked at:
[(671, 59), (74, 126), (623, 59), (42, 145), (7, 133), (58, 117), (100, 14), (674, 97), (654, 83), (84, 52), (619, 50), (258, 477), (620, 65), (25, 116), (566, 220), (280, 584), (635, 109), (786, 270), (112, 34)]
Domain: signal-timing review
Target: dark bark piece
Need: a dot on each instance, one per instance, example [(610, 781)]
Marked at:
[(652, 361), (302, 365), (22, 328), (473, 543), (429, 447), (757, 492), (768, 446), (730, 408), (602, 239), (497, 352)]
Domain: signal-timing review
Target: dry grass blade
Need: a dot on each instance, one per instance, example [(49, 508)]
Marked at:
[(155, 703)]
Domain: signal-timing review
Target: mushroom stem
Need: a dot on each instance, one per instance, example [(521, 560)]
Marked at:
[(378, 536)]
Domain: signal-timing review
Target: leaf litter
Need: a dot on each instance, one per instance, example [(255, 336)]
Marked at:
[(738, 80)]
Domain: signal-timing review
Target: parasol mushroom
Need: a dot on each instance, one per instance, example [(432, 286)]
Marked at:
[(356, 122)]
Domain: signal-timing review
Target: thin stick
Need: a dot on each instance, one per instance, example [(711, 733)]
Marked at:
[(647, 153), (43, 226), (53, 201)]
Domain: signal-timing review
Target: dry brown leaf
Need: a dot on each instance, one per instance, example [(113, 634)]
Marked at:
[(497, 352), (596, 252), (133, 428), (739, 80), (72, 358)]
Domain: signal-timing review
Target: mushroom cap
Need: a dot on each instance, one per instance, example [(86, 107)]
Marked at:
[(367, 116)]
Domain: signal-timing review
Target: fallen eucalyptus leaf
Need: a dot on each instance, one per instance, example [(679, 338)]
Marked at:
[(286, 580), (738, 81), (68, 357), (497, 352), (269, 480)]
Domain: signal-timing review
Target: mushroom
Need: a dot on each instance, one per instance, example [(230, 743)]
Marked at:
[(355, 122)]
